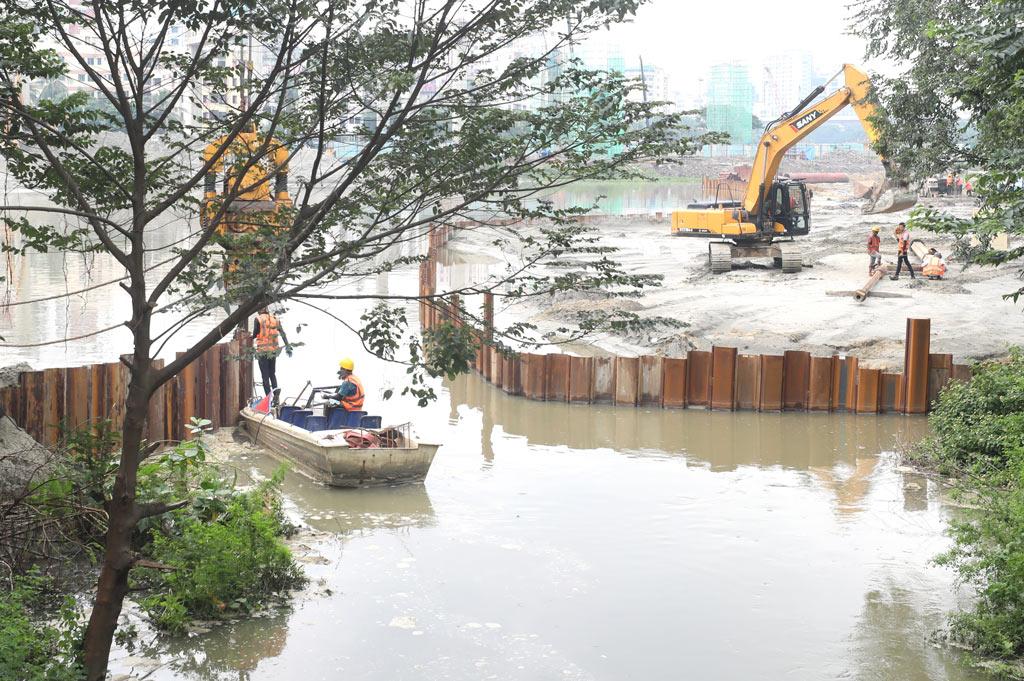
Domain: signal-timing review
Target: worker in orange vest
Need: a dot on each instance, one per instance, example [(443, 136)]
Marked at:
[(874, 250), (934, 265), (267, 337), (350, 393), (902, 250)]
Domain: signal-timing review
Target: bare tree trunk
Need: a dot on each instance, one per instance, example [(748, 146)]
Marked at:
[(118, 559)]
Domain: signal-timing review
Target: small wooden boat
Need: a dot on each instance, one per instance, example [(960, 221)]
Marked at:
[(328, 457)]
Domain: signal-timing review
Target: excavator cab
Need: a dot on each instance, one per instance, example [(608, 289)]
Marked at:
[(252, 205), (787, 208)]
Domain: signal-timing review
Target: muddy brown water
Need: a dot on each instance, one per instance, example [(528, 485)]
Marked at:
[(555, 541)]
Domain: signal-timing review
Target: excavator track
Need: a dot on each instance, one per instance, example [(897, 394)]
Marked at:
[(789, 256), (720, 257)]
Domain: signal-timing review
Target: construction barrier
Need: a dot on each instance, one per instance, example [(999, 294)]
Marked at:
[(720, 379), (215, 386)]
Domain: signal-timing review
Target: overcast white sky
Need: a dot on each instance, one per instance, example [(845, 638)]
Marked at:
[(683, 35)]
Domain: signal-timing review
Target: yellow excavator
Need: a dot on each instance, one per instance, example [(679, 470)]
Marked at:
[(774, 210), (253, 174)]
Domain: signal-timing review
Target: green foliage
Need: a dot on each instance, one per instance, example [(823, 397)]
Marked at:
[(450, 349), (38, 643), (979, 424), (957, 103), (224, 567), (988, 553), (979, 437)]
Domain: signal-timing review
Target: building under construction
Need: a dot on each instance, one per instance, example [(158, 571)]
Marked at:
[(731, 102)]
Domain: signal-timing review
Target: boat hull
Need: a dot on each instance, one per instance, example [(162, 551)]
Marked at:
[(327, 458)]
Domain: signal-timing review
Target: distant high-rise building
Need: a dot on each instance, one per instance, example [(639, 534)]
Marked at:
[(730, 102), (785, 79)]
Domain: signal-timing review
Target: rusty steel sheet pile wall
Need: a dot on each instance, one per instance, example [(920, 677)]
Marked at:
[(720, 378), (215, 386)]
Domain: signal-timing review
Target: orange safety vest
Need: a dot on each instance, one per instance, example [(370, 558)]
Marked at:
[(354, 402), (266, 341), (902, 243)]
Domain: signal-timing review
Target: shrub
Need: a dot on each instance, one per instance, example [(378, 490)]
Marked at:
[(222, 567), (978, 423), (988, 552), (38, 643), (979, 437)]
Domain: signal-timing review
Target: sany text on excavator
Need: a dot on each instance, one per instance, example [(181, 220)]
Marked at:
[(253, 174), (774, 210)]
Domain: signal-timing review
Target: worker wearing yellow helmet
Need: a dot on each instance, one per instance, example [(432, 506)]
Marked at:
[(874, 250), (350, 393)]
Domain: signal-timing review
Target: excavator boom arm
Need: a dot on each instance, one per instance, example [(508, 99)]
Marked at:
[(781, 137)]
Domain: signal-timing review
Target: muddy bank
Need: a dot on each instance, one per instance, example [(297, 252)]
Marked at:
[(761, 310)]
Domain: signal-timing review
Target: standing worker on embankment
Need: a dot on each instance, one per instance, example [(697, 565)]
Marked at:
[(267, 336), (902, 249), (874, 250)]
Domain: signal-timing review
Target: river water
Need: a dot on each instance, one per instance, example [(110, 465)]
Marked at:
[(555, 541)]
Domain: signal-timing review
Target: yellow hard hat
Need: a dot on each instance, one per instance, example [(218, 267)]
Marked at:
[(347, 364), (876, 229)]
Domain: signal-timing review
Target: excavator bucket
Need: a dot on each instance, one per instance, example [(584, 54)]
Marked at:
[(888, 197)]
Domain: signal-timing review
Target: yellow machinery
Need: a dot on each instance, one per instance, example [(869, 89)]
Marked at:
[(774, 210), (252, 209)]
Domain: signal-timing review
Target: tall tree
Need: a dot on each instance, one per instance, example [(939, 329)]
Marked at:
[(390, 117), (955, 103)]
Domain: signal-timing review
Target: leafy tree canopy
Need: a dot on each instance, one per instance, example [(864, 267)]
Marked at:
[(388, 117), (956, 103)]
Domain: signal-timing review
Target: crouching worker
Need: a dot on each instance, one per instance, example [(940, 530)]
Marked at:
[(934, 265), (350, 394)]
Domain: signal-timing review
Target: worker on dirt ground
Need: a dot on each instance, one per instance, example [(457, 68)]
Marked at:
[(902, 249), (968, 188), (934, 265), (350, 393), (874, 250), (267, 336), (950, 184)]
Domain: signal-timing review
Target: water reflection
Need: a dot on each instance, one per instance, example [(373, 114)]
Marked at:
[(221, 660), (345, 511), (888, 642), (724, 440)]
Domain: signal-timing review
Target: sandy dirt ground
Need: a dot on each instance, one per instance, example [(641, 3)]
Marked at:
[(762, 310)]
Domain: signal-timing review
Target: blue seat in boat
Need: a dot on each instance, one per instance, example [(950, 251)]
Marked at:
[(353, 418), (315, 423), (286, 412), (370, 422), (336, 418), (298, 417)]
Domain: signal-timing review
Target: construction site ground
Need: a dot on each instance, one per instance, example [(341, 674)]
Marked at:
[(759, 309)]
